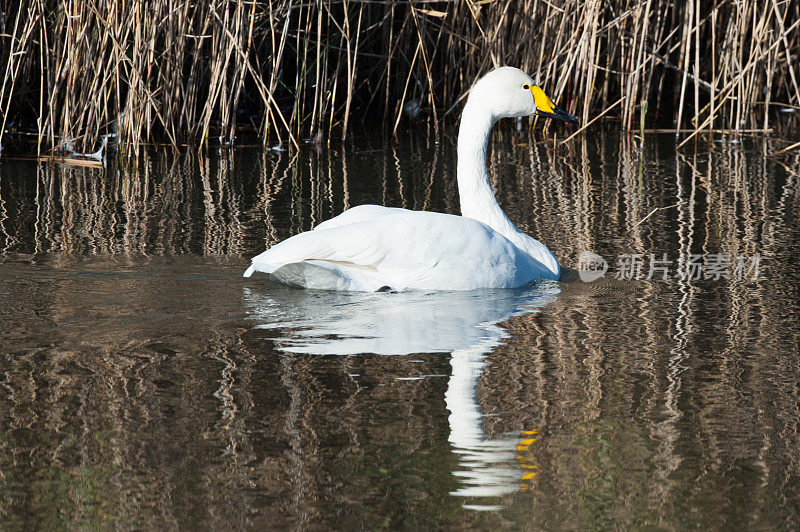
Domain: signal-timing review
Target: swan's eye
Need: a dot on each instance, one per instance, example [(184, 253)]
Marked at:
[(526, 87)]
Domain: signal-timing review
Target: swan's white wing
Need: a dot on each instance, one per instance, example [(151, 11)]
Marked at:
[(362, 213), (401, 249)]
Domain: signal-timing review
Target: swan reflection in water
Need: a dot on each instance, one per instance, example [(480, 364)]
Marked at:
[(461, 323)]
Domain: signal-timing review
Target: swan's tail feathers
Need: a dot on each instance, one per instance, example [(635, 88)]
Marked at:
[(322, 275), (357, 244), (259, 266), (340, 258)]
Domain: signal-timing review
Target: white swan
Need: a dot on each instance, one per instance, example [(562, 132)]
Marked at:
[(369, 248)]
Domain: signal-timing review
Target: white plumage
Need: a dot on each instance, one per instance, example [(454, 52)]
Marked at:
[(370, 247)]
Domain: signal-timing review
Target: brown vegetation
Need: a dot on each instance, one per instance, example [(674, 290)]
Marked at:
[(180, 71)]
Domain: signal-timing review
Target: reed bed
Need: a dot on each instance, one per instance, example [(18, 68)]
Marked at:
[(285, 71)]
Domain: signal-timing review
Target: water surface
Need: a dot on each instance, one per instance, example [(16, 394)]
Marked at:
[(146, 384)]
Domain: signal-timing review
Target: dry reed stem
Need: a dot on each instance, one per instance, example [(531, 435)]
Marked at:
[(788, 148), (592, 121)]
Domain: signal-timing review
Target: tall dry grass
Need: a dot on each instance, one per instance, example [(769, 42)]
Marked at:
[(183, 72)]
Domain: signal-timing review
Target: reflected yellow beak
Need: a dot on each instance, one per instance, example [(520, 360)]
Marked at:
[(545, 107)]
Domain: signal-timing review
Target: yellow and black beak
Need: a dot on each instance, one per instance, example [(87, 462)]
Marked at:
[(544, 107)]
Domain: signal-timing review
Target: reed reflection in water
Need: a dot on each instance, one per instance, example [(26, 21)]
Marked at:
[(145, 382), (461, 323)]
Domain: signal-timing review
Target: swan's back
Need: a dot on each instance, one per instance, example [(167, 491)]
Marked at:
[(370, 248)]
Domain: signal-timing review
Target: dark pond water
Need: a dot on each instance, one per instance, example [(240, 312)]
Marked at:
[(144, 383)]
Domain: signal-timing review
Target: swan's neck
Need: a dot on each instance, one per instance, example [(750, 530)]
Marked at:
[(477, 198)]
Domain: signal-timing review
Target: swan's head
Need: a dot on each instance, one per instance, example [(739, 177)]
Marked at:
[(509, 92)]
